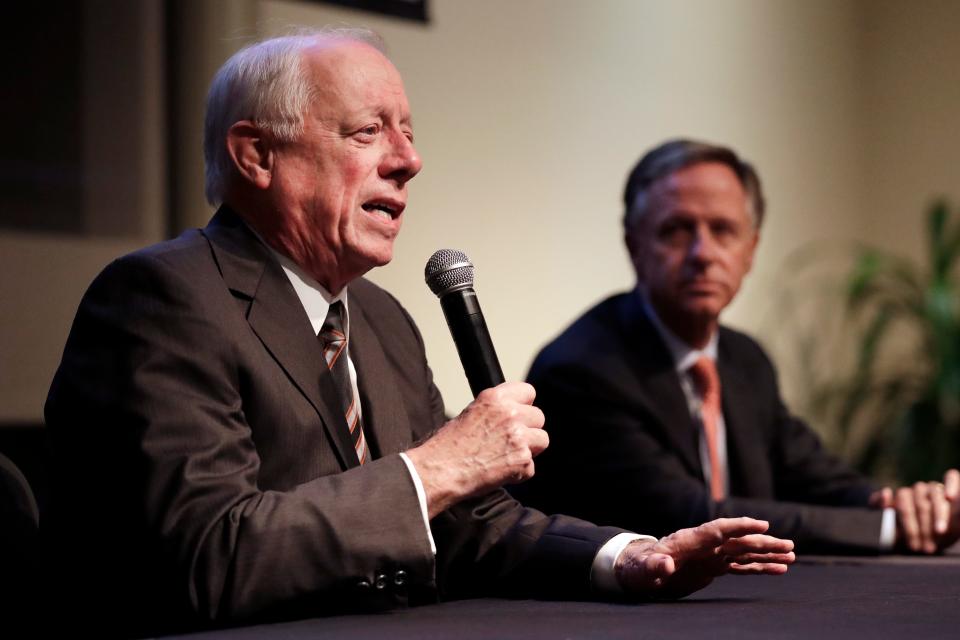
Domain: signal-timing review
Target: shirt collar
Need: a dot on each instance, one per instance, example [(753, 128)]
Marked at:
[(684, 356), (314, 297)]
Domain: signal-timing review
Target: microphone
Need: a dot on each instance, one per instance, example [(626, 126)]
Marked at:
[(449, 274)]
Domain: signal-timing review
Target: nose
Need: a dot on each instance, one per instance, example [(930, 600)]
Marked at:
[(703, 248), (401, 162)]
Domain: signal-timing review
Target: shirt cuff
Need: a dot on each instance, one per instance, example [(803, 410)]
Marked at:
[(888, 529), (422, 497), (603, 578)]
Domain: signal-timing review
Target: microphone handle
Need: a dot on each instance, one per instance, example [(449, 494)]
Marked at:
[(470, 334)]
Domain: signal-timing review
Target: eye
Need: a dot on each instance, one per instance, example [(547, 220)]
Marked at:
[(368, 132), (674, 232), (724, 230)]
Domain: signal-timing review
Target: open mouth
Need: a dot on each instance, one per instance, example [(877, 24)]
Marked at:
[(388, 210)]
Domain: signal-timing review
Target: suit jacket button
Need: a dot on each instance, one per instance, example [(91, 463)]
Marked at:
[(363, 585), (400, 577), (381, 582)]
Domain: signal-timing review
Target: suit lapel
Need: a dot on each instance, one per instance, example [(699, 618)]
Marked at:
[(659, 383), (745, 454), (385, 419), (278, 319)]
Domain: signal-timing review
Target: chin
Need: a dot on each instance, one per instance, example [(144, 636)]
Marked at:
[(378, 259), (703, 309)]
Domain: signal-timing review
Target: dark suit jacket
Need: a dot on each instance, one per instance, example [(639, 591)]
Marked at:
[(203, 471), (623, 446)]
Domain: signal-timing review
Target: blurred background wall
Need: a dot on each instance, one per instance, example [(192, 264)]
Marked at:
[(528, 115)]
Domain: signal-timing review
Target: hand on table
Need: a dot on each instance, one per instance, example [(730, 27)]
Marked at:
[(928, 513), (690, 559)]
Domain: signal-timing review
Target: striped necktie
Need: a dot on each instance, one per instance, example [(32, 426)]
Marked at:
[(334, 341), (705, 376)]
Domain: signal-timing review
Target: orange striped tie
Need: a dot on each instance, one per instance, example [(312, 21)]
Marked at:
[(708, 383), (334, 342)]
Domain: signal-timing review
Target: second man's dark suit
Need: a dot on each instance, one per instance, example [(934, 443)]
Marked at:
[(624, 447), (203, 469)]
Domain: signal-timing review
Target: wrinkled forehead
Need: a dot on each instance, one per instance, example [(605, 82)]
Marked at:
[(339, 65)]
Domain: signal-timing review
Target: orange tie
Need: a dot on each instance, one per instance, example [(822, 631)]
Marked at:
[(708, 382)]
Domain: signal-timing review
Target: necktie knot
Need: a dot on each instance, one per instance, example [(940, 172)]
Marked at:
[(704, 372), (331, 334), (333, 323)]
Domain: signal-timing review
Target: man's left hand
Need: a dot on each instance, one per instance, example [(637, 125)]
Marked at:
[(690, 559), (928, 513)]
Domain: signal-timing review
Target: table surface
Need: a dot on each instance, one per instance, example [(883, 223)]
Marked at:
[(820, 597)]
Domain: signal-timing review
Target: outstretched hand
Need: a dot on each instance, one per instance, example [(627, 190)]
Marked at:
[(690, 559)]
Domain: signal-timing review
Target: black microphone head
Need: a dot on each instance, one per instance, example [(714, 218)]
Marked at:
[(448, 270)]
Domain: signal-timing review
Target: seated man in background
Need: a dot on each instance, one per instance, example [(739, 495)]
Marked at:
[(244, 428), (659, 417)]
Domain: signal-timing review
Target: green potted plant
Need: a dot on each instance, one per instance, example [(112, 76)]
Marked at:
[(880, 362)]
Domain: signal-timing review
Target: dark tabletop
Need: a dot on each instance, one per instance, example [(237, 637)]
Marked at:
[(820, 598)]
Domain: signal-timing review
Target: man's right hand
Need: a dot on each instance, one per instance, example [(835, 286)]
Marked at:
[(492, 443)]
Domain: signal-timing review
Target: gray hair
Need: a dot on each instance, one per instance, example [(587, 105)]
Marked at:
[(674, 155), (264, 82)]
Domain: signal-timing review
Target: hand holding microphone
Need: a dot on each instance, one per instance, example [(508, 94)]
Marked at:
[(493, 442)]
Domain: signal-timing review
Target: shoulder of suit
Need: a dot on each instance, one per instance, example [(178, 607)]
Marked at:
[(175, 251), (741, 347), (185, 254), (377, 302), (597, 329), (366, 292), (189, 241)]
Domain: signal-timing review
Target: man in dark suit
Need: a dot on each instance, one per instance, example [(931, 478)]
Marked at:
[(245, 429), (661, 418)]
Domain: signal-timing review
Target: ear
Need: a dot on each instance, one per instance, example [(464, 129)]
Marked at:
[(250, 153), (632, 241), (753, 248)]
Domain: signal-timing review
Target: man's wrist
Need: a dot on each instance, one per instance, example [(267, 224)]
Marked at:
[(888, 529), (437, 481), (603, 571), (421, 498)]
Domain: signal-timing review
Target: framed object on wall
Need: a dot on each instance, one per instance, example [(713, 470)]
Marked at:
[(409, 9)]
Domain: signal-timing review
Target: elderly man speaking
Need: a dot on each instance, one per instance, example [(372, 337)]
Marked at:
[(246, 429)]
